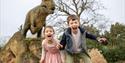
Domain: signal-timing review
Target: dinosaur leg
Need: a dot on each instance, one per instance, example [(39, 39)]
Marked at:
[(33, 29), (39, 33), (25, 29)]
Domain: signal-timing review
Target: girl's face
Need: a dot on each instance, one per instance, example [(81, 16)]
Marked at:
[(74, 25), (49, 33)]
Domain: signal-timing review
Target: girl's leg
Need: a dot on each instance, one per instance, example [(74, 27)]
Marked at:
[(63, 56)]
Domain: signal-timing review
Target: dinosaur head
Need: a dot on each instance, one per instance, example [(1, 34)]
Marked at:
[(49, 5)]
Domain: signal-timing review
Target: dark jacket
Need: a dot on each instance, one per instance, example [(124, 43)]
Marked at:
[(67, 43)]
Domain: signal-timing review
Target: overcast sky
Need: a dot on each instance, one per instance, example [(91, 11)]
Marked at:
[(13, 12)]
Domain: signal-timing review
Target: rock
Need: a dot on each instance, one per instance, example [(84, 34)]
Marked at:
[(19, 50), (96, 56), (28, 50)]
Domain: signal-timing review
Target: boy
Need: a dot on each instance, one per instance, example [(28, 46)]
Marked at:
[(73, 41)]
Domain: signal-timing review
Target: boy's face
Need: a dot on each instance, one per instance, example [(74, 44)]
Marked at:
[(74, 24), (49, 33)]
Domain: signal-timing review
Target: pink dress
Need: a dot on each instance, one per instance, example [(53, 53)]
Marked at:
[(52, 54)]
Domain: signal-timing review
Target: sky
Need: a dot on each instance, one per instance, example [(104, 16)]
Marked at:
[(13, 13)]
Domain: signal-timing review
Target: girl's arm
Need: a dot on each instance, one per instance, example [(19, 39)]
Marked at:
[(58, 44), (62, 53), (43, 52)]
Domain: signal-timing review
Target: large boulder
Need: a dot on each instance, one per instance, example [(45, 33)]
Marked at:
[(96, 56), (28, 50), (19, 50)]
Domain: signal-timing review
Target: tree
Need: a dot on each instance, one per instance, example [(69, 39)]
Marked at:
[(86, 10), (115, 50), (91, 43), (116, 35)]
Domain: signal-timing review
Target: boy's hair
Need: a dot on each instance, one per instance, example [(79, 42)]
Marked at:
[(48, 27), (72, 17)]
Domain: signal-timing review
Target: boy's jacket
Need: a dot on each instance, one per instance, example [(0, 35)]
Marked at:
[(67, 42)]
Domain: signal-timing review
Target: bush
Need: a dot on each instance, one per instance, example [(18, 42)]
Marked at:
[(114, 55)]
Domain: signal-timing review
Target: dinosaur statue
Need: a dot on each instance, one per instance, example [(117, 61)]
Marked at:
[(36, 17)]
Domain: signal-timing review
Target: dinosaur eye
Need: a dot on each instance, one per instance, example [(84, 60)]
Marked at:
[(53, 8)]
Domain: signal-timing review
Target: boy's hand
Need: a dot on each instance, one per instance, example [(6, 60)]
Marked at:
[(102, 41), (59, 46)]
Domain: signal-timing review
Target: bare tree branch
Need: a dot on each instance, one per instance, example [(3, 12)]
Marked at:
[(77, 7), (83, 6), (75, 4), (66, 9)]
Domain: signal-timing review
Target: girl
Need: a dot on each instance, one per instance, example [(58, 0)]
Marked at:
[(50, 50)]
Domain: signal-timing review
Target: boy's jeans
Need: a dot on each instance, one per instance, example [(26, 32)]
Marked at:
[(77, 58)]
